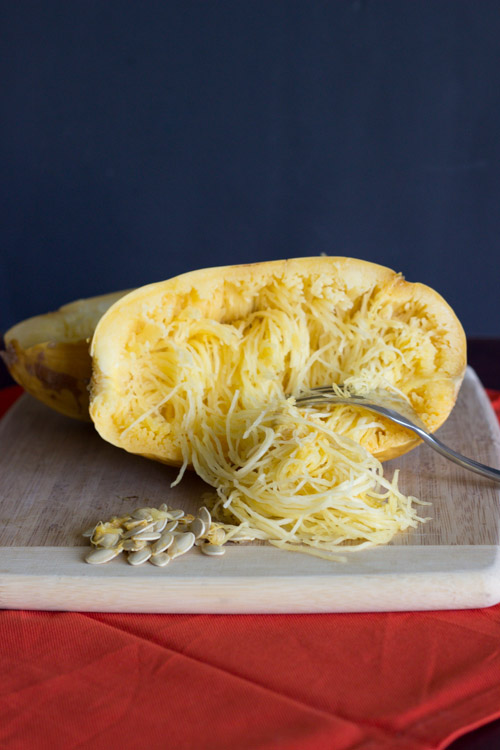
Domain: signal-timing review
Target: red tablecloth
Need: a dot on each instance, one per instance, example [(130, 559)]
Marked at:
[(409, 681)]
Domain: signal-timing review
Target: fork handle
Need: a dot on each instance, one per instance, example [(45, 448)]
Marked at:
[(427, 437), (457, 458)]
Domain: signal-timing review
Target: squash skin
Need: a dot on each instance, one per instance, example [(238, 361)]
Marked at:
[(48, 355), (113, 329), (56, 374)]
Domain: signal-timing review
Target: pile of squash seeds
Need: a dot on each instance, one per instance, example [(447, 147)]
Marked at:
[(158, 535)]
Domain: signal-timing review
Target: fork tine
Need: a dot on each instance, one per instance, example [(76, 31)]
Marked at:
[(320, 389)]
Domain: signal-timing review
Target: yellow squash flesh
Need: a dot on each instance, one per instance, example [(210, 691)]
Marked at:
[(143, 329)]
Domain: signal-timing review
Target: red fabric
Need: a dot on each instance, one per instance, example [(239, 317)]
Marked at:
[(8, 396), (409, 681), (495, 400)]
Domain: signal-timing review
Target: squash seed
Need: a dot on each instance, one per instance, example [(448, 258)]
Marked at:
[(175, 515), (182, 543), (139, 530), (160, 559), (134, 545), (134, 523), (100, 529), (139, 557), (163, 543), (142, 514), (160, 525), (212, 549), (198, 528), (110, 539), (173, 532), (147, 536), (102, 555), (158, 514), (205, 516)]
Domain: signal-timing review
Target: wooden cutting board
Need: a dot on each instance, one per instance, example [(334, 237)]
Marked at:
[(57, 478)]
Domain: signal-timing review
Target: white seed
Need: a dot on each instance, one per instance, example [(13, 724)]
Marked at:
[(205, 516), (160, 525), (143, 514), (103, 555), (147, 536), (163, 543), (139, 557), (134, 523), (132, 532), (134, 545), (108, 540), (212, 550), (175, 515), (198, 528), (182, 543), (139, 530), (160, 560)]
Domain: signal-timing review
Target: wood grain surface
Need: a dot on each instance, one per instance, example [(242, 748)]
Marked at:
[(58, 477)]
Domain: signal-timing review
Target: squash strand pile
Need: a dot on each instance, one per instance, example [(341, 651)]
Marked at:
[(295, 483)]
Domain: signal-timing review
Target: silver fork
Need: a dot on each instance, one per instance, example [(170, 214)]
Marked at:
[(398, 410)]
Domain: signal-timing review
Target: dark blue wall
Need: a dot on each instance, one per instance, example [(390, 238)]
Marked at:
[(143, 139)]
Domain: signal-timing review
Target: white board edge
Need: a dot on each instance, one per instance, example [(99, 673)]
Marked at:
[(61, 581)]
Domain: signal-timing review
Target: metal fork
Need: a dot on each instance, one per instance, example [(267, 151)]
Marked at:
[(398, 410)]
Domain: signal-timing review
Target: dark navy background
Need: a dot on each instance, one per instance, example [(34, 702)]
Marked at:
[(141, 140)]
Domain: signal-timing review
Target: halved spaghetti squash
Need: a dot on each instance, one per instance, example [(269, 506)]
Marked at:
[(49, 354), (170, 357)]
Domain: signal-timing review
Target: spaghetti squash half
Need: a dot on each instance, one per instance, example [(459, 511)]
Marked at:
[(171, 356), (49, 354)]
